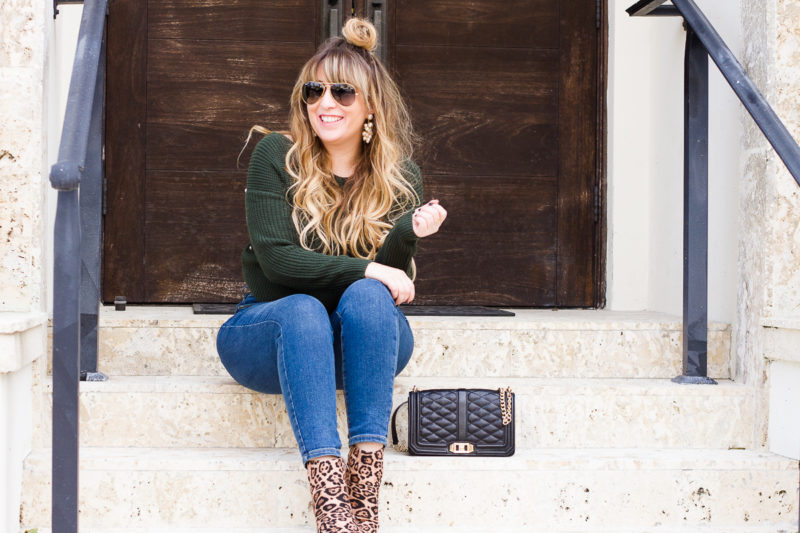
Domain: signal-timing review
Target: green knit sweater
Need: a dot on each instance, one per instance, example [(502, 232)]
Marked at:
[(275, 265)]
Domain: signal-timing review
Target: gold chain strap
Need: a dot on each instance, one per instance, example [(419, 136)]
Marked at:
[(505, 404)]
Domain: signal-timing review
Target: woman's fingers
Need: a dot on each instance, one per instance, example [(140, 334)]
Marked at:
[(435, 211), (405, 288), (428, 218), (397, 281)]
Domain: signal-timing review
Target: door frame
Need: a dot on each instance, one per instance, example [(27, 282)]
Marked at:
[(601, 232)]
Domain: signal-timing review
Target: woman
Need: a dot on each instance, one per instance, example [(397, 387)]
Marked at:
[(334, 215)]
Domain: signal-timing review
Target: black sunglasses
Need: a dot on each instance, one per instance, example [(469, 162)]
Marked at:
[(343, 93)]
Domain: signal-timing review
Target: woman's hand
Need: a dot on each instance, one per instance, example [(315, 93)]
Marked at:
[(397, 281), (428, 218)]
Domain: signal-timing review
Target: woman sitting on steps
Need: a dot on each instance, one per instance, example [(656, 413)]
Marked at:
[(334, 215)]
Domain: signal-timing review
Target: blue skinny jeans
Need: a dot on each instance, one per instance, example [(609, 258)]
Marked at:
[(292, 346)]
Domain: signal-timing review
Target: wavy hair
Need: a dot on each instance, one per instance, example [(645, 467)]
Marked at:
[(353, 219)]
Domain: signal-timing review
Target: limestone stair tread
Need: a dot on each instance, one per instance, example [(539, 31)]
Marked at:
[(535, 490), (522, 385), (227, 385), (171, 340), (210, 411), (691, 528), (600, 459), (183, 316)]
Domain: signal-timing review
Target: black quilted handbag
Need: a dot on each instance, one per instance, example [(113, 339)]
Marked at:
[(459, 422)]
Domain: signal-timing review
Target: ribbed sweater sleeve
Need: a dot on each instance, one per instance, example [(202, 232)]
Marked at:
[(400, 244), (273, 235)]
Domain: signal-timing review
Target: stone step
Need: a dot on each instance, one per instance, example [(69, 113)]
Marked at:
[(543, 343), (181, 411), (535, 490), (692, 528)]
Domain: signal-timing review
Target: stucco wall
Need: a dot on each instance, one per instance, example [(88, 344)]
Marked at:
[(645, 163)]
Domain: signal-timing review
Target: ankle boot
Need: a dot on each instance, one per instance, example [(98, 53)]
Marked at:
[(363, 475), (329, 496)]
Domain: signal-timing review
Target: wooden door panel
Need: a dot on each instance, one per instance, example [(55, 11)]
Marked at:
[(230, 61), (176, 101), (516, 99), (195, 230), (463, 274), (201, 74), (126, 137), (199, 146), (492, 23), (199, 119), (491, 247), (483, 111), (578, 169), (191, 127), (239, 20)]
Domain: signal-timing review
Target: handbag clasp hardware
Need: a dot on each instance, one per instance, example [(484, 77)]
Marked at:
[(461, 447)]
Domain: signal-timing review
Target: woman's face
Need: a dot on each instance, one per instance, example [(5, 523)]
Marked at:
[(337, 126)]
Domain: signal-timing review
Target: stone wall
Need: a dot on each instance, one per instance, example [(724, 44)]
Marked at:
[(22, 154), (769, 246), (783, 292), (24, 26)]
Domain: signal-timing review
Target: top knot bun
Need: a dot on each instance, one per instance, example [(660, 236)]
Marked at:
[(361, 33)]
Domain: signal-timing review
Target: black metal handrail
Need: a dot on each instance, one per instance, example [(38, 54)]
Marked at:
[(76, 253), (702, 41)]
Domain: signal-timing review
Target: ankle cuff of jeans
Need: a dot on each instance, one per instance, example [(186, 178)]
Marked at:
[(355, 439), (320, 452)]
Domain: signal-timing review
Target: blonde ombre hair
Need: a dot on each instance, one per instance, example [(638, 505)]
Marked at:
[(353, 219)]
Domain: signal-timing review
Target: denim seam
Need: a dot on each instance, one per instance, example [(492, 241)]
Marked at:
[(397, 327), (388, 413), (345, 389), (288, 392), (341, 351)]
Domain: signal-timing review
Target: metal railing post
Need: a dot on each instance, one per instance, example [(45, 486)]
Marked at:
[(76, 156), (66, 372), (695, 213), (91, 202), (702, 41)]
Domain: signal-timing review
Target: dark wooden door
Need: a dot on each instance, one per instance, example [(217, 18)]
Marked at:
[(504, 95), (186, 80)]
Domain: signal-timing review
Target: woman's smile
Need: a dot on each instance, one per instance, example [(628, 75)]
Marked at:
[(328, 119)]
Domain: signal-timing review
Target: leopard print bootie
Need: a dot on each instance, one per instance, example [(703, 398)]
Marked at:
[(329, 496), (364, 473)]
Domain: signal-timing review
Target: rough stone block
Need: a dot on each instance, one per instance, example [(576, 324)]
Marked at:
[(536, 490), (215, 412)]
